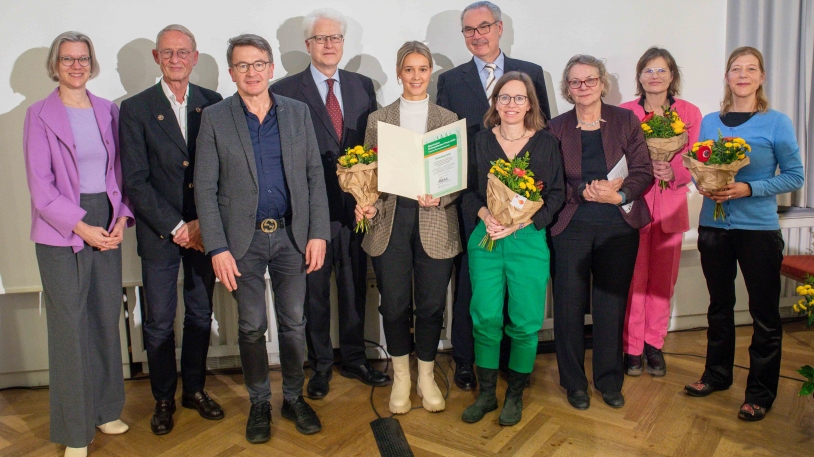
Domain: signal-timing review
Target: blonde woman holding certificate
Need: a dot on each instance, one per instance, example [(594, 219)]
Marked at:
[(412, 242)]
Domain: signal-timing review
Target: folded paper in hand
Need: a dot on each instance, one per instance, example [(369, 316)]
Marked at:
[(620, 171)]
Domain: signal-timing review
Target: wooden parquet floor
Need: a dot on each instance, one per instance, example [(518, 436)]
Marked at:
[(658, 419)]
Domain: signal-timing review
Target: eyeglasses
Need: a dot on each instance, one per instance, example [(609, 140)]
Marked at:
[(519, 100), (655, 72), (243, 67), (182, 54), (322, 39), (469, 32), (68, 61), (576, 84)]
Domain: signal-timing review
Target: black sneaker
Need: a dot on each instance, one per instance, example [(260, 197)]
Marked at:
[(633, 365), (258, 427), (302, 415), (656, 365)]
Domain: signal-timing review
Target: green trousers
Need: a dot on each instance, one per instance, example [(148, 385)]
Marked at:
[(521, 261)]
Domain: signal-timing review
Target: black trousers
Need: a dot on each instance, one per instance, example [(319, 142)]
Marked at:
[(759, 254), (405, 272), (344, 255), (608, 254), (160, 278)]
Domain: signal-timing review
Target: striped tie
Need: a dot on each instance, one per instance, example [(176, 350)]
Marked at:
[(490, 80)]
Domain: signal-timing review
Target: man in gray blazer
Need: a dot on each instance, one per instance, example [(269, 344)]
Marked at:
[(260, 195)]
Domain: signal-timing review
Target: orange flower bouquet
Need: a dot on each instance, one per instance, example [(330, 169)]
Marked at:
[(665, 136), (357, 171), (714, 164), (512, 194)]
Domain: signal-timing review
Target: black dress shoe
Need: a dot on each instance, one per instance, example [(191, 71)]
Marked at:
[(207, 408), (318, 385), (701, 389), (161, 423), (633, 365), (579, 399), (464, 376), (258, 427), (656, 365), (614, 399), (367, 374), (302, 415)]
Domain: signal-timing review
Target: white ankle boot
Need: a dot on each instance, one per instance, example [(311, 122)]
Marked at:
[(76, 451), (432, 398), (116, 427), (400, 392)]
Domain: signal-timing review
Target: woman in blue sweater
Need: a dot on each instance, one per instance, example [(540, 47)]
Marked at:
[(748, 236)]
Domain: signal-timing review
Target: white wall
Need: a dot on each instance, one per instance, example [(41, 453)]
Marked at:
[(544, 32)]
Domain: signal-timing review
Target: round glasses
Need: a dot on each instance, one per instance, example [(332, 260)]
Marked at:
[(243, 67), (519, 100), (182, 54)]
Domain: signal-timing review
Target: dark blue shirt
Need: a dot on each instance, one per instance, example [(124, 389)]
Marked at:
[(274, 201)]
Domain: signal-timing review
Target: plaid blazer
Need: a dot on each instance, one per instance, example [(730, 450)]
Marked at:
[(438, 226), (621, 136)]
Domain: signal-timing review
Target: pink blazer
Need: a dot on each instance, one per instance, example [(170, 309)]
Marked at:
[(53, 174), (670, 206)]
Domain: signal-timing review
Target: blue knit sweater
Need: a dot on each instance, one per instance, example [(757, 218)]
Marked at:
[(774, 144)]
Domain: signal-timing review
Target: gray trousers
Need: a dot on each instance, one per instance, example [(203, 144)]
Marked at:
[(286, 266), (83, 300)]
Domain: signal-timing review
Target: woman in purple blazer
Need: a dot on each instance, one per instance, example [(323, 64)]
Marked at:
[(78, 217)]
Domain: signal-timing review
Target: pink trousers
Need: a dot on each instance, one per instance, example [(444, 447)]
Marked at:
[(654, 279)]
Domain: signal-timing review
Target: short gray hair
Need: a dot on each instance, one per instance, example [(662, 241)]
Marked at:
[(53, 54), (248, 39), (176, 28), (412, 47), (494, 9), (584, 59), (323, 13)]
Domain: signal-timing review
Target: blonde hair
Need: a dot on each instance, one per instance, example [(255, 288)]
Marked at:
[(534, 118), (412, 47), (761, 101), (584, 59), (53, 54)]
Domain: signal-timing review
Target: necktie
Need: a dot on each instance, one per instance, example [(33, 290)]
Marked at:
[(490, 79), (334, 110)]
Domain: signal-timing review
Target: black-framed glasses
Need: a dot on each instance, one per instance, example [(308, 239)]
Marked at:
[(322, 39), (655, 72), (483, 29), (519, 100), (182, 54), (243, 67), (68, 61), (576, 84)]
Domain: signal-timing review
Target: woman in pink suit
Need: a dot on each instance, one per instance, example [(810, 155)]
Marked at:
[(654, 278), (78, 217)]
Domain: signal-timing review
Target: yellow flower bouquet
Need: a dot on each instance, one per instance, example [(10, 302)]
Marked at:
[(512, 194), (665, 136), (805, 308), (357, 171)]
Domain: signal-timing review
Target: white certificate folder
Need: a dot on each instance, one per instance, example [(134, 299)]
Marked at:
[(412, 164)]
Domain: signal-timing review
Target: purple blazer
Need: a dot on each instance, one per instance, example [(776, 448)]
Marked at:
[(53, 175)]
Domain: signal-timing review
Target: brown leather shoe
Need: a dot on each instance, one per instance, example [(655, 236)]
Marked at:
[(161, 423), (207, 408)]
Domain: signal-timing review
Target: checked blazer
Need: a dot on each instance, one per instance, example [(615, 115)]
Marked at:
[(438, 226), (621, 136)]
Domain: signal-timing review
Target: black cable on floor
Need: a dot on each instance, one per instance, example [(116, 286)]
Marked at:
[(736, 365)]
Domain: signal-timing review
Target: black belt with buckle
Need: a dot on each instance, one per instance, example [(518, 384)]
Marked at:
[(272, 225)]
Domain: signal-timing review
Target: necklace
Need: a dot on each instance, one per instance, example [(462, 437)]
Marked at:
[(500, 131), (589, 124)]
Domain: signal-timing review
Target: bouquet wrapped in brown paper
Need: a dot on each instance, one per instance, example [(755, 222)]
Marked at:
[(357, 171), (714, 164), (665, 136), (512, 195)]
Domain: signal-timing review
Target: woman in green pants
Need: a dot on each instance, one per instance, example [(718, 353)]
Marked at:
[(520, 259)]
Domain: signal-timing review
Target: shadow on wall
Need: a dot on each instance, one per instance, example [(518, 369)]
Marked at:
[(293, 56), (137, 68), (205, 73), (614, 96), (447, 44), (18, 265), (362, 63)]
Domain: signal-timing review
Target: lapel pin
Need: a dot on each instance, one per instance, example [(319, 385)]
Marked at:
[(198, 109), (160, 117)]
